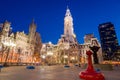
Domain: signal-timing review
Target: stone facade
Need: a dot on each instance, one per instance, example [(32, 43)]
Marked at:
[(68, 50), (89, 41), (19, 47), (68, 43)]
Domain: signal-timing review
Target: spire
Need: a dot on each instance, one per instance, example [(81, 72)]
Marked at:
[(68, 12), (32, 30), (32, 27), (67, 3), (6, 21), (33, 22), (67, 7)]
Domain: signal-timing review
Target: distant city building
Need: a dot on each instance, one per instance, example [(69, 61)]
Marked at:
[(87, 38), (109, 41), (117, 54), (89, 41)]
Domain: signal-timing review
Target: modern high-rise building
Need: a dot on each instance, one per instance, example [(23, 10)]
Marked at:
[(109, 41)]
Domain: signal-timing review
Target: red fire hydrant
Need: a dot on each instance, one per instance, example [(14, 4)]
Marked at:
[(90, 73)]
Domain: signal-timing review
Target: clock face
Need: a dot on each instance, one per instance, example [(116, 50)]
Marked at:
[(6, 28)]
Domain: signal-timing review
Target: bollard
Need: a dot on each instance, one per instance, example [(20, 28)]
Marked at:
[(90, 73)]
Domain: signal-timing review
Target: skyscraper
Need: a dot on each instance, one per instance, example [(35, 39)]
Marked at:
[(108, 40)]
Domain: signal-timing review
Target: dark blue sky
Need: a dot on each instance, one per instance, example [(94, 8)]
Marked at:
[(49, 16)]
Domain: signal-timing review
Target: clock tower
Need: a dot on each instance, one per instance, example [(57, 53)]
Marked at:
[(68, 35)]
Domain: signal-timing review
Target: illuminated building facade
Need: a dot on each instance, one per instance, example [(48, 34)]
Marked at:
[(89, 41), (68, 41), (49, 53), (7, 43), (68, 50), (19, 47), (109, 41), (68, 36), (37, 47), (28, 48), (23, 52)]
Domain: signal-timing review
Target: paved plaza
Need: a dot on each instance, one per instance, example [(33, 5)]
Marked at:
[(50, 73)]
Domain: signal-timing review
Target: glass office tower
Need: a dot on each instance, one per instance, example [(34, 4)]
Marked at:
[(108, 40)]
